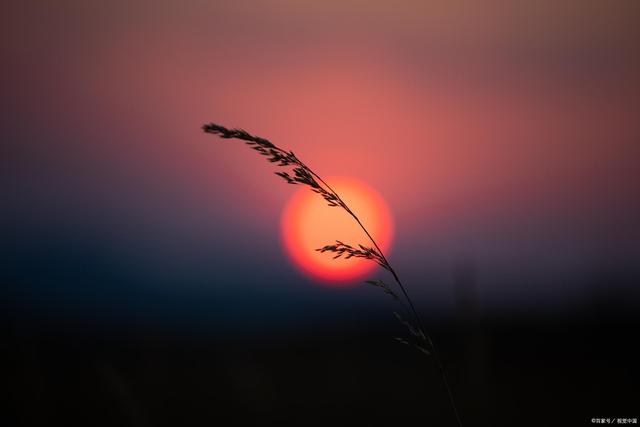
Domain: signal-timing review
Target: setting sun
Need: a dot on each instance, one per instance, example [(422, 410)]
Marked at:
[(308, 224)]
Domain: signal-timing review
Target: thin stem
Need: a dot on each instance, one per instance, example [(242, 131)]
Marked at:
[(406, 295), (304, 175)]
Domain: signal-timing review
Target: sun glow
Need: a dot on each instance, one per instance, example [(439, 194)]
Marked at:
[(308, 224)]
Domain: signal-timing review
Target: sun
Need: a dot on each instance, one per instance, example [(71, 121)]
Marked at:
[(308, 223)]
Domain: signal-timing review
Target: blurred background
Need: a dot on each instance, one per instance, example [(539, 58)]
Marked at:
[(143, 279)]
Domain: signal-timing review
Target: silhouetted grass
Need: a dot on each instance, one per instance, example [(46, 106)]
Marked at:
[(300, 174)]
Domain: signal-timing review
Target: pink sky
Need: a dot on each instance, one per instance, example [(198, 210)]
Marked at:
[(490, 122)]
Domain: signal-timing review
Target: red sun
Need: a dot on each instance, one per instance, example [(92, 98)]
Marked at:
[(308, 224)]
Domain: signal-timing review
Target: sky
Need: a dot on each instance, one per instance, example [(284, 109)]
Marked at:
[(501, 136)]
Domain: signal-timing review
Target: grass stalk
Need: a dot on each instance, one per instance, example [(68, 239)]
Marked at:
[(301, 174)]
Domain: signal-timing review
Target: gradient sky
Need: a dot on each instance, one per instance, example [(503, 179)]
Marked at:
[(504, 135)]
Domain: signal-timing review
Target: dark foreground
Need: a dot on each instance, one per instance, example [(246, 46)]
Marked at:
[(506, 371)]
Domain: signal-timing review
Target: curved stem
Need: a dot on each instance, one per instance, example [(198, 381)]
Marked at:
[(406, 295), (284, 158)]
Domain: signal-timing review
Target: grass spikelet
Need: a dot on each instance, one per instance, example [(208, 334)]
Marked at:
[(298, 173)]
